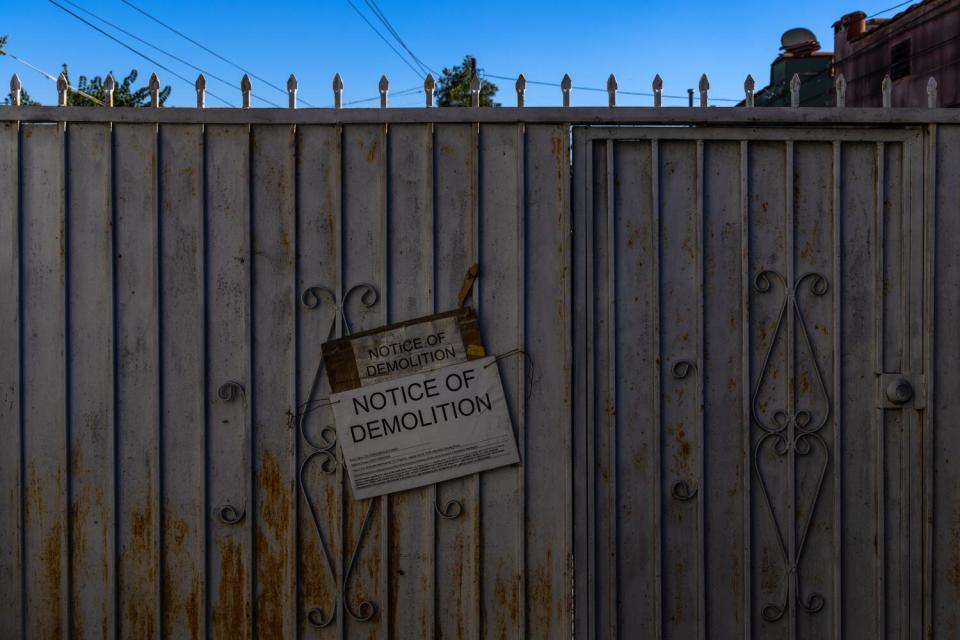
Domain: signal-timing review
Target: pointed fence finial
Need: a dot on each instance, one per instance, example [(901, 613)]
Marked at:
[(886, 88), (521, 89), (384, 89), (292, 91), (565, 86), (932, 93), (840, 89), (657, 91), (612, 91), (795, 91), (15, 90), (154, 87), (749, 86), (704, 89), (62, 88), (201, 87), (246, 89), (337, 91), (428, 86), (475, 91), (109, 86)]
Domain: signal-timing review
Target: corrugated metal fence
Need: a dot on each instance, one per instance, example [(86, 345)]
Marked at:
[(712, 316)]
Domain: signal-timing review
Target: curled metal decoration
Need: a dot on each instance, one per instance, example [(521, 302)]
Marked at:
[(449, 510), (682, 490), (230, 390), (229, 514), (323, 452), (794, 433)]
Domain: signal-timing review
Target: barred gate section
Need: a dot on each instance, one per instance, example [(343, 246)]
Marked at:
[(723, 324), (754, 313), (168, 467)]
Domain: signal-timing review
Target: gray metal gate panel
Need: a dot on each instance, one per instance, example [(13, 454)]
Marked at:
[(735, 480)]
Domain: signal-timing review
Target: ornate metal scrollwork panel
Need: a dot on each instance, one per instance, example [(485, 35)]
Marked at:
[(791, 433)]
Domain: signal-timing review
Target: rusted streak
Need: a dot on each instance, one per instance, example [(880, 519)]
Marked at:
[(229, 613)]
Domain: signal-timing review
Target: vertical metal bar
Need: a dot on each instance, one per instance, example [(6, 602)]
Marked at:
[(158, 346), (701, 442), (746, 381), (341, 492), (613, 596), (791, 394), (878, 352), (521, 380), (929, 249), (432, 506), (837, 402), (205, 297), (250, 488), (657, 409), (68, 373), (385, 297), (475, 233), (590, 394), (295, 381), (906, 366)]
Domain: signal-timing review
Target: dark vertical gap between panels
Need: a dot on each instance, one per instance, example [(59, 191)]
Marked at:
[(837, 394), (21, 539), (250, 384), (206, 382), (68, 372), (746, 386)]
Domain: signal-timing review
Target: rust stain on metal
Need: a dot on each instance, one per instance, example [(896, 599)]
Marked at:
[(273, 525), (681, 457), (540, 599), (229, 613), (53, 580), (374, 151), (140, 616)]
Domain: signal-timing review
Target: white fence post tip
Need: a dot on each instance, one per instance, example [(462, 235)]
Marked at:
[(521, 89), (292, 91), (428, 86), (704, 89), (886, 88), (840, 87), (795, 91), (62, 88), (749, 87), (657, 91), (15, 89), (154, 91), (932, 93), (337, 91), (201, 87), (565, 86), (475, 91), (246, 88), (384, 89), (109, 86), (612, 91)]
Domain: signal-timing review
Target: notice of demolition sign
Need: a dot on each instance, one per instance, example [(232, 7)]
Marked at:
[(424, 428), (401, 349)]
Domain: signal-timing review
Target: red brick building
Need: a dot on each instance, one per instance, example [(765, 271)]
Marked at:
[(912, 46)]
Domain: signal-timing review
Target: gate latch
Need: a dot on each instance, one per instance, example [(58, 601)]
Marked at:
[(899, 391)]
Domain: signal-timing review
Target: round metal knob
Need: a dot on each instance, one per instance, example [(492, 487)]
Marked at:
[(899, 391)]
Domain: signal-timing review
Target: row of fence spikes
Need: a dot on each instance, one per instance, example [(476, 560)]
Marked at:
[(429, 85)]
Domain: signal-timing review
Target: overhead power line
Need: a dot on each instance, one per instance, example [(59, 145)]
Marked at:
[(210, 51), (50, 77), (382, 37), (206, 73), (896, 6), (386, 22), (139, 53), (598, 89)]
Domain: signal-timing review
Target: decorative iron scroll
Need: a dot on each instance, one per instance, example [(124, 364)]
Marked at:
[(681, 489), (794, 433), (323, 452)]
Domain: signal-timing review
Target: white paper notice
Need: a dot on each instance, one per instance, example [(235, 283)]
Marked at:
[(424, 428)]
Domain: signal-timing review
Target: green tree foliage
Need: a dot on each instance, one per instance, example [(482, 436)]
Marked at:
[(453, 86), (125, 95)]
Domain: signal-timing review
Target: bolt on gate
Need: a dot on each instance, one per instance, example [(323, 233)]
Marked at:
[(733, 411)]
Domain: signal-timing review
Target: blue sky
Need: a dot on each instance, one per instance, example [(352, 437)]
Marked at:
[(543, 39)]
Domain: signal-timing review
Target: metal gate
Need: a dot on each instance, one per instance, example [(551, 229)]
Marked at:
[(722, 322), (756, 355)]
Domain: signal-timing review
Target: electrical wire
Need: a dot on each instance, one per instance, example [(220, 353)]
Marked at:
[(597, 89), (50, 77), (206, 73), (896, 6), (372, 4), (382, 37), (142, 55), (210, 51)]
